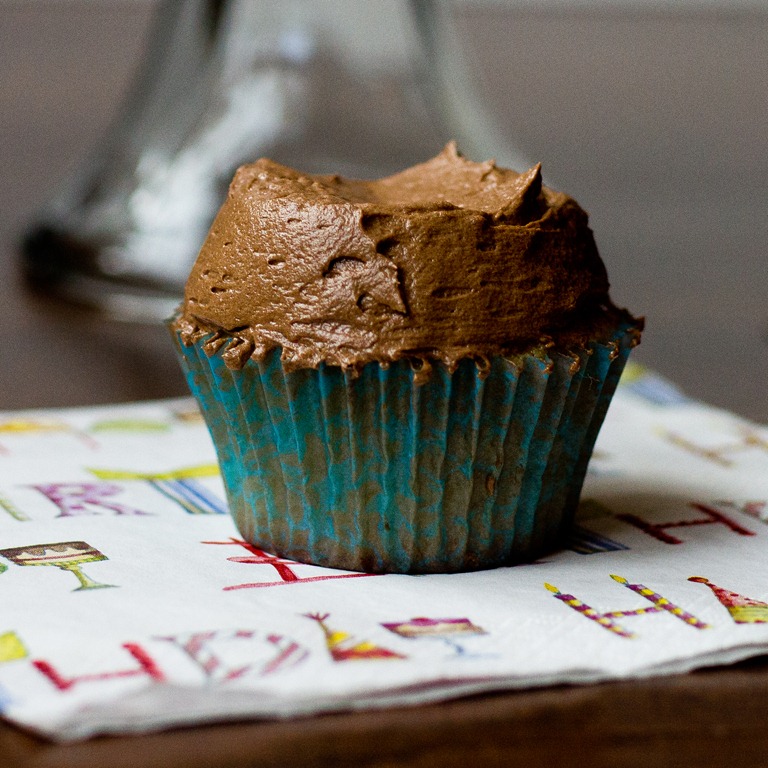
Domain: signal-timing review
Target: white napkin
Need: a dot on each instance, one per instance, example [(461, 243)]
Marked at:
[(147, 610)]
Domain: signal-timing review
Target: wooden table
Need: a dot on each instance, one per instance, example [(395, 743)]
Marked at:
[(703, 719), (707, 327)]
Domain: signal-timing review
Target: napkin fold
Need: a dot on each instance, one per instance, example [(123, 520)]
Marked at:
[(129, 602)]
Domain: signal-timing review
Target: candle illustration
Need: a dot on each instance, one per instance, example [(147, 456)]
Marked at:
[(139, 426), (607, 619), (743, 610), (11, 647), (661, 603), (343, 647), (449, 631), (182, 473), (191, 495), (31, 426), (67, 555), (10, 508)]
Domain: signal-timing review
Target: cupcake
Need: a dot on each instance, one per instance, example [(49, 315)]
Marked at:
[(402, 375)]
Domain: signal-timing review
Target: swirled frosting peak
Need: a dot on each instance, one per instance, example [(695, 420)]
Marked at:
[(445, 260)]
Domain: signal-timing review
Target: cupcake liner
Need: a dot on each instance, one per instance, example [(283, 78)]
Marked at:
[(378, 474)]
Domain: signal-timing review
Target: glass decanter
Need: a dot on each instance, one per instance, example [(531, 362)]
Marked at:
[(338, 86)]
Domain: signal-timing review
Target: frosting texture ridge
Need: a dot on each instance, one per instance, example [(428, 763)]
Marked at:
[(445, 260)]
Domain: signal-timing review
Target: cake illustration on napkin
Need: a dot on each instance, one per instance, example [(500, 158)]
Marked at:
[(406, 374)]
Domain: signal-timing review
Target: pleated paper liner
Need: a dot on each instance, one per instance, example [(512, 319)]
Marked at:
[(379, 474)]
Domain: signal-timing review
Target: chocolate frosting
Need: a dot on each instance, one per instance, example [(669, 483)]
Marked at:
[(445, 260)]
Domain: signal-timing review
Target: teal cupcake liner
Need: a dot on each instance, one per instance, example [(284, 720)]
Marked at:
[(379, 474)]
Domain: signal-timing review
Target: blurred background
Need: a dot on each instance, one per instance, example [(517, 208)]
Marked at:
[(654, 116)]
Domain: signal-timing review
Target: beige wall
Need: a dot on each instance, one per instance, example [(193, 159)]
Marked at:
[(653, 116)]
